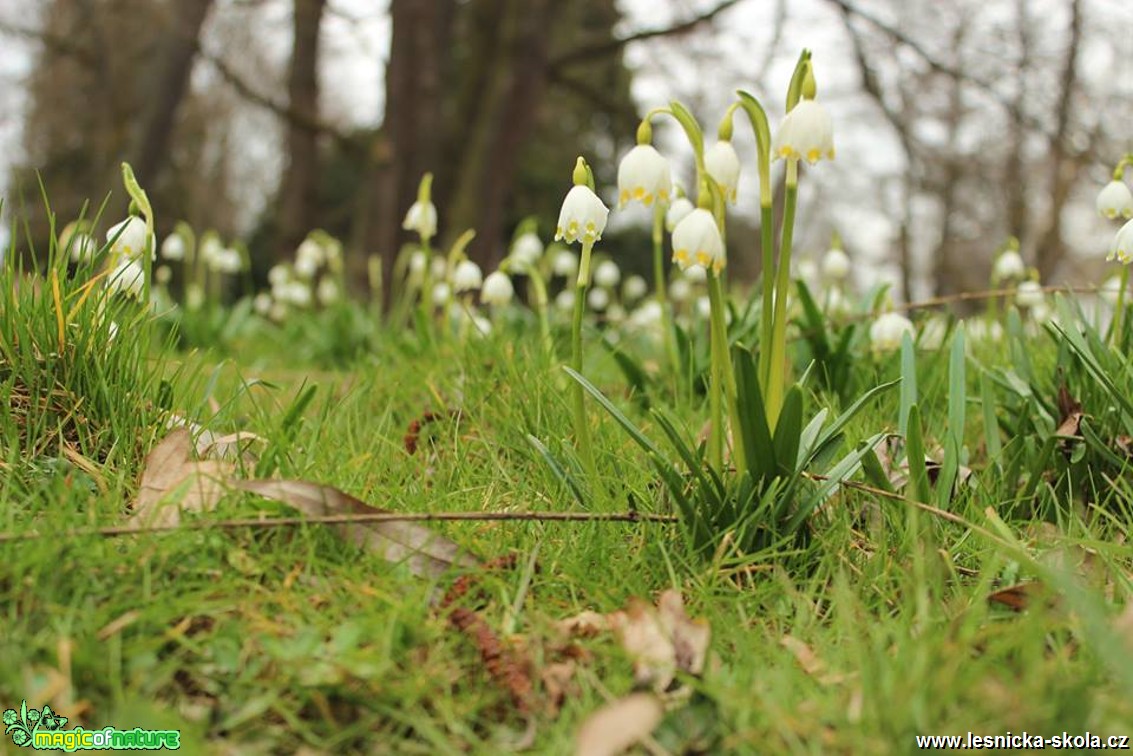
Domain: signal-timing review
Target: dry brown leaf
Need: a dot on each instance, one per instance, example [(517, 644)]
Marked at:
[(661, 640), (424, 551), (173, 482), (558, 681), (619, 725), (804, 655), (585, 624), (1017, 597)]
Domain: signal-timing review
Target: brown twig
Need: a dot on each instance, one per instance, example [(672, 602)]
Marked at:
[(288, 522)]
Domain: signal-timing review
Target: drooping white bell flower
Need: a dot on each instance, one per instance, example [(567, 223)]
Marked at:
[(582, 217), (634, 288), (644, 176), (327, 292), (83, 247), (598, 299), (680, 290), (297, 293), (565, 300), (696, 240), (497, 289), (1115, 200), (163, 274), (835, 264), (678, 209), (932, 335), (442, 293), (695, 274), (565, 263), (1009, 266), (262, 303), (418, 261), (607, 274), (1029, 294), (278, 275), (173, 248), (128, 240), (421, 218), (723, 165), (888, 330), (467, 276), (527, 250), (983, 330), (806, 133), (438, 268), (128, 277), (1122, 246)]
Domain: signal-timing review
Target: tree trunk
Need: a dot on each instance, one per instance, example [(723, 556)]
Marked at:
[(298, 192), (168, 88)]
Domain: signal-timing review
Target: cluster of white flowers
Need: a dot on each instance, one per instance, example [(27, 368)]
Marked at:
[(313, 276), (1115, 201), (888, 331), (217, 257), (128, 244)]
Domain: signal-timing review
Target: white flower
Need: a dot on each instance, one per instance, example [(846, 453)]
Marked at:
[(527, 250), (194, 296), (497, 289), (615, 313), (1115, 200), (442, 292), (598, 299), (565, 263), (422, 218), (644, 176), (648, 316), (262, 303), (887, 332), (297, 293), (680, 290), (128, 277), (226, 260), (417, 263), (980, 329), (695, 274), (703, 306), (310, 252), (634, 288), (805, 134), (83, 247), (1009, 266), (278, 275), (807, 271), (607, 274), (1029, 294), (678, 209), (583, 216), (327, 292), (696, 240), (128, 239), (163, 274), (565, 300), (1122, 245), (278, 312), (173, 248), (836, 305), (723, 165), (466, 277), (835, 265)]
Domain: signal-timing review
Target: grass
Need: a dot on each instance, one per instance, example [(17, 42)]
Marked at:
[(260, 640)]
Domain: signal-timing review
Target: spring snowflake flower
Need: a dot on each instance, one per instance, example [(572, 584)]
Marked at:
[(607, 274), (697, 241), (583, 216), (327, 292), (598, 299), (644, 176), (128, 240), (695, 274), (1115, 201), (723, 165), (1111, 289), (634, 288), (1122, 246), (835, 265), (173, 248), (527, 250), (262, 303), (680, 290), (128, 277), (467, 276), (983, 330), (932, 335), (497, 289), (309, 257), (1009, 266), (887, 332), (422, 219), (565, 300), (442, 293), (296, 293), (1029, 294), (806, 133), (678, 209), (565, 263), (163, 274), (83, 247)]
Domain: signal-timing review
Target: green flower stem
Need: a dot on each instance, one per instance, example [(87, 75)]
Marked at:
[(723, 377), (540, 286), (1115, 334), (661, 293), (581, 427), (426, 303), (767, 242), (777, 368)]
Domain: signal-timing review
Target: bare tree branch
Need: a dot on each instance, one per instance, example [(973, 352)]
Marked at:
[(611, 47)]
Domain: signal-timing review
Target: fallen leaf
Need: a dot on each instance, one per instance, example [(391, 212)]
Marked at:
[(804, 655), (1017, 597), (173, 482), (661, 640), (422, 550), (585, 624), (619, 725), (558, 679)]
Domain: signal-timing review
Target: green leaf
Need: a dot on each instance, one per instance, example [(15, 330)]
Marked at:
[(991, 426), (918, 487), (759, 448), (558, 470), (908, 383), (788, 432), (874, 472), (957, 388)]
